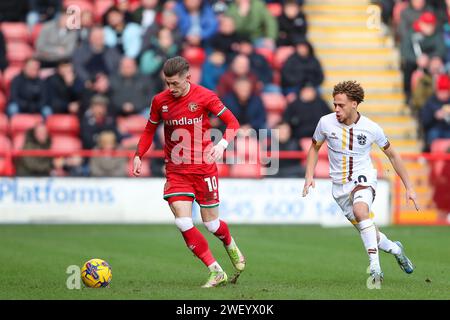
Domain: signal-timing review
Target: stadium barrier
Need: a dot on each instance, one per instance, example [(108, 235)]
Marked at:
[(136, 200)]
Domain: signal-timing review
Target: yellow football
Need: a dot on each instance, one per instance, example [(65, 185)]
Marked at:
[(96, 273)]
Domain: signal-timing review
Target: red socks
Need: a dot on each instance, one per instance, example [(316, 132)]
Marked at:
[(197, 243), (223, 233)]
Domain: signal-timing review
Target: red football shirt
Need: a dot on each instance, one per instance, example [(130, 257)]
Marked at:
[(186, 127)]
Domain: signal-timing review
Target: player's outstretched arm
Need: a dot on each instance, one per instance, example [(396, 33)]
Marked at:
[(143, 145), (311, 162), (399, 167)]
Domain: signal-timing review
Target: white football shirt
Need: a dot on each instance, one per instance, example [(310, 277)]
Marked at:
[(349, 146)]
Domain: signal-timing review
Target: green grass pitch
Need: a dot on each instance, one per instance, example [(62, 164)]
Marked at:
[(283, 262)]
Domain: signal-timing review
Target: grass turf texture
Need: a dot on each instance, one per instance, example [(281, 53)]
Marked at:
[(283, 262)]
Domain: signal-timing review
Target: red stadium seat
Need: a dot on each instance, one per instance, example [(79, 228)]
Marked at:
[(275, 9), (281, 55), (274, 102), (194, 55), (440, 145), (133, 124), (4, 125), (10, 73), (66, 143), (268, 54), (245, 171), (196, 74), (84, 5), (18, 52), (131, 142), (247, 148), (6, 167), (36, 32), (305, 144), (15, 32), (101, 6), (18, 141), (21, 122), (322, 169), (63, 124), (2, 102)]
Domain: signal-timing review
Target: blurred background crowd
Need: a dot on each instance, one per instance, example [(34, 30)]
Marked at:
[(80, 74)]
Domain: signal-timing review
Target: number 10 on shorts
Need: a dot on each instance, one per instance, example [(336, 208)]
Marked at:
[(212, 183)]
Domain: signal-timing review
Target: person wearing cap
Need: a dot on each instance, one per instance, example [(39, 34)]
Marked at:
[(435, 116), (423, 43), (410, 15), (96, 120)]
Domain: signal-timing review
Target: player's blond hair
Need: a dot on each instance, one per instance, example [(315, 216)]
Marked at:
[(351, 89)]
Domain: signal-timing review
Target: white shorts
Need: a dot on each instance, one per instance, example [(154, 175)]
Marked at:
[(345, 196)]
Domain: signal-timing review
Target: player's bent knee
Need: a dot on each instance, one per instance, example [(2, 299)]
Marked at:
[(213, 225), (184, 223)]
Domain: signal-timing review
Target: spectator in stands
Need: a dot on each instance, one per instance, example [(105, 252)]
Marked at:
[(42, 11), (107, 165), (240, 67), (424, 88), (441, 183), (304, 112), (93, 58), (419, 46), (212, 69), (28, 94), (168, 20), (291, 23), (197, 21), (254, 20), (301, 68), (130, 91), (64, 89), (13, 10), (95, 120), (220, 6), (55, 41), (258, 63), (161, 48), (36, 138), (3, 56), (387, 9), (435, 115), (145, 15), (226, 39), (410, 15), (124, 6), (72, 166), (288, 168), (247, 107), (446, 30), (125, 36)]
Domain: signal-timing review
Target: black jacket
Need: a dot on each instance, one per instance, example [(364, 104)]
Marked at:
[(59, 95), (290, 29), (29, 94), (304, 116), (90, 129)]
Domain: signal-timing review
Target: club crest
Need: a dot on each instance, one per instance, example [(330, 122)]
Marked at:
[(193, 107), (362, 139)]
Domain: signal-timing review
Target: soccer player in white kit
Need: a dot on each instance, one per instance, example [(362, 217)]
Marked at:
[(349, 137)]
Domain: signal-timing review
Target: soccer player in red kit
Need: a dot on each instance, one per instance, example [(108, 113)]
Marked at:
[(190, 157)]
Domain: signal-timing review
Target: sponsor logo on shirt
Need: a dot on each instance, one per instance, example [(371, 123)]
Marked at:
[(183, 121)]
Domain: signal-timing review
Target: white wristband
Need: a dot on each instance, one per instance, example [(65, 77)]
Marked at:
[(223, 143)]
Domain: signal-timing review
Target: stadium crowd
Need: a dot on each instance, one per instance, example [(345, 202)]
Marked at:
[(80, 74)]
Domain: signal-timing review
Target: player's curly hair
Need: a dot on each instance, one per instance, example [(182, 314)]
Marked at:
[(351, 89)]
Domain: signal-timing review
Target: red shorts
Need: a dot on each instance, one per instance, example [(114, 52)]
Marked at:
[(203, 188)]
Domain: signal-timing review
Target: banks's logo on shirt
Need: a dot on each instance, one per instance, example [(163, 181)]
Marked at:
[(362, 139), (193, 107)]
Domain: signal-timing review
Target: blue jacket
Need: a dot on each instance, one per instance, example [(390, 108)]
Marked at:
[(211, 74), (131, 39), (254, 113), (427, 114), (208, 20)]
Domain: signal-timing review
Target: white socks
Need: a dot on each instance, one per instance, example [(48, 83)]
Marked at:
[(215, 266), (369, 237), (387, 245), (184, 223), (213, 225)]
